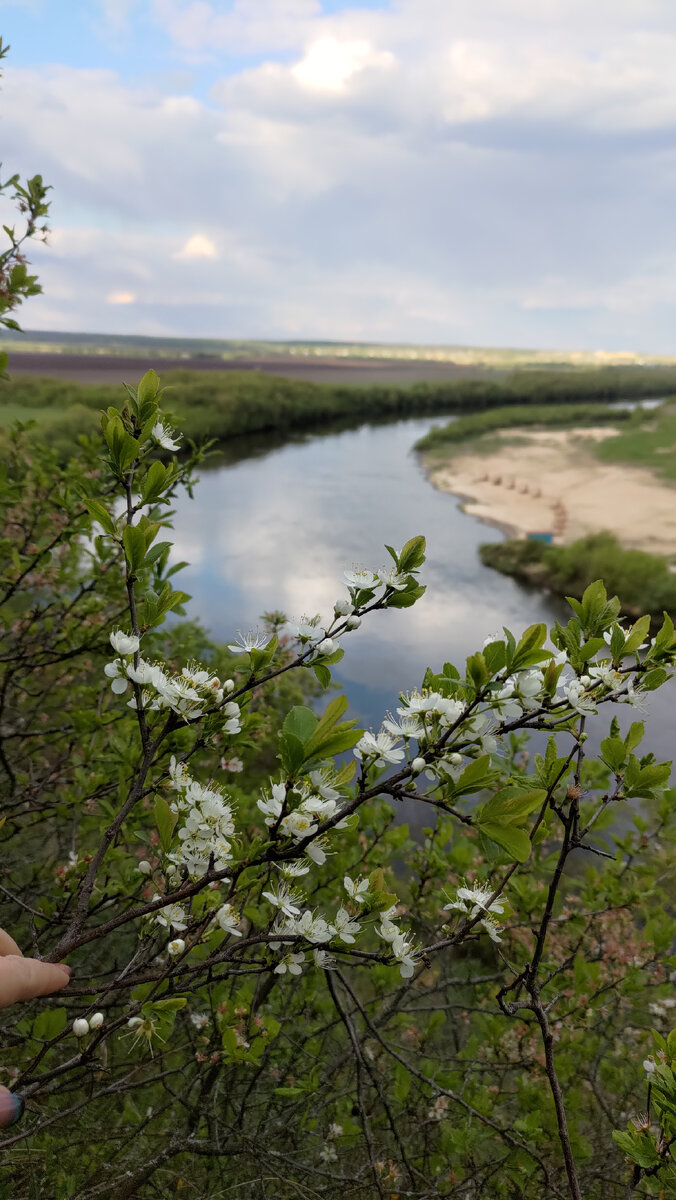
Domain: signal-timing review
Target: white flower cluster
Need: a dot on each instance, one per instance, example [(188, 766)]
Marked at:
[(205, 823), (189, 694), (344, 927), (473, 901), (317, 801), (400, 945)]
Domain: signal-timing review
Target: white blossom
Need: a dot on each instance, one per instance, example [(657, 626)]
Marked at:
[(228, 919), (253, 640), (81, 1027), (164, 435), (381, 748), (357, 890), (345, 927), (96, 1020), (293, 963), (359, 578), (391, 578), (283, 899), (176, 947), (171, 915), (124, 643), (271, 806)]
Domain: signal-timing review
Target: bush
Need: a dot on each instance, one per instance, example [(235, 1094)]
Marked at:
[(274, 991)]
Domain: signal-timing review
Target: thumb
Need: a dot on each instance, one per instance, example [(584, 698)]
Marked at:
[(11, 1108)]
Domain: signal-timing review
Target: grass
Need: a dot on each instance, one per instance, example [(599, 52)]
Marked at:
[(232, 404), (478, 425), (643, 581), (649, 443)]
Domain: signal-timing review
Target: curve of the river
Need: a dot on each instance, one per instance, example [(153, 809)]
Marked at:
[(276, 528)]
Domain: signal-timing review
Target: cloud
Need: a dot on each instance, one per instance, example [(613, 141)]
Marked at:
[(198, 246), (329, 64), (417, 172), (121, 297)]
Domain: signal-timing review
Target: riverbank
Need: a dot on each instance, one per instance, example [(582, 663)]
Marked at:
[(227, 404), (550, 481)]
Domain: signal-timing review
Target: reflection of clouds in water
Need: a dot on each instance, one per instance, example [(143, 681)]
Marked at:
[(279, 531)]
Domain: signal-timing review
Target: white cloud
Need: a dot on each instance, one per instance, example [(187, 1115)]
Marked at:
[(198, 246), (121, 297), (329, 64), (424, 171)]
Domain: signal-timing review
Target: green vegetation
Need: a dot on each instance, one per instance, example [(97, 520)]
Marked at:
[(225, 405), (263, 1002), (644, 581), (476, 425), (648, 442)]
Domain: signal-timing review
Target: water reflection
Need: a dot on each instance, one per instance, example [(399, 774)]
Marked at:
[(277, 528)]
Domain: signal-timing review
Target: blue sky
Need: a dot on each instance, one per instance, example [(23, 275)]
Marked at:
[(434, 171)]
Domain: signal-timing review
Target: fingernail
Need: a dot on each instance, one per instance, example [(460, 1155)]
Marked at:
[(17, 1106), (63, 967)]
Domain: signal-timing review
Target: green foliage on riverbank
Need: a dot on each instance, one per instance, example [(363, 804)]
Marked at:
[(226, 405), (475, 425), (643, 580)]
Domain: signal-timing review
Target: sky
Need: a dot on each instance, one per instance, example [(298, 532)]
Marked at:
[(447, 172)]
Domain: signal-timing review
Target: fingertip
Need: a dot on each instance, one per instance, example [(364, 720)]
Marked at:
[(66, 969), (12, 1107)]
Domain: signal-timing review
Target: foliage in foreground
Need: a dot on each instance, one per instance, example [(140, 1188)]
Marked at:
[(274, 992), (644, 581)]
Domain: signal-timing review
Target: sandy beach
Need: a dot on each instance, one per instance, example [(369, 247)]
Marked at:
[(552, 483)]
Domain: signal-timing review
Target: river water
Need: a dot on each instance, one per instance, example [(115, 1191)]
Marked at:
[(276, 527)]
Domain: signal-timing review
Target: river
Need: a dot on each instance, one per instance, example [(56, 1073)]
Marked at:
[(276, 527)]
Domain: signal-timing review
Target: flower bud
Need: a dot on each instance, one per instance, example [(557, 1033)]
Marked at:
[(144, 867), (418, 765), (342, 608), (326, 646), (228, 685), (176, 947), (353, 622), (96, 1020), (80, 1027), (231, 709)]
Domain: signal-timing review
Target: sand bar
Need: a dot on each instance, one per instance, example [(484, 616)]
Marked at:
[(551, 483)]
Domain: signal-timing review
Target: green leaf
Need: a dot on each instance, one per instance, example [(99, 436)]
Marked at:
[(639, 1147), (635, 735), (614, 752), (148, 387), (407, 598), (637, 635), (476, 775), (515, 841), (100, 513), (512, 804), (154, 483), (322, 674), (134, 547), (301, 722), (292, 752), (413, 555), (477, 670), (49, 1023), (165, 820), (533, 639)]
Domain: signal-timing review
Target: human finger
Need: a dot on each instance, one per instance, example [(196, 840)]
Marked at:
[(25, 978), (8, 945), (11, 1108)]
